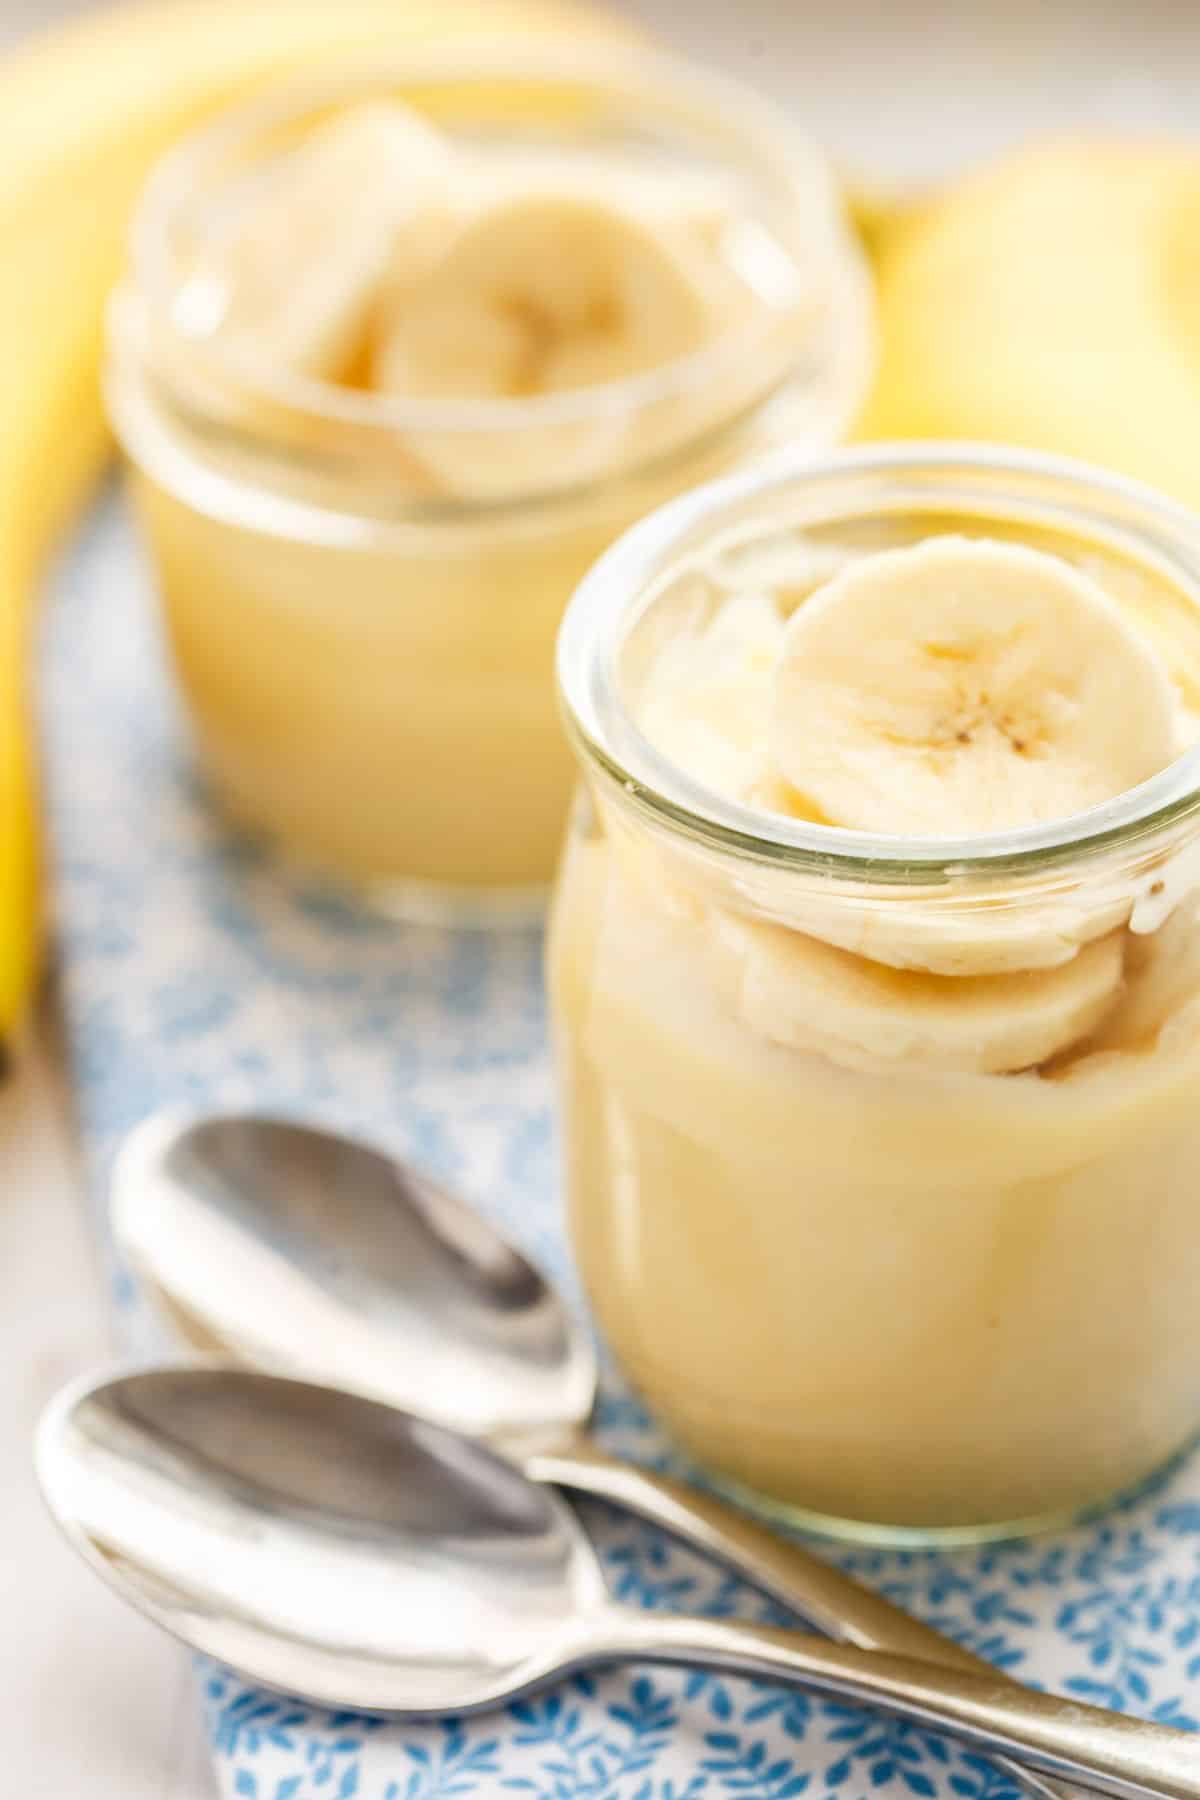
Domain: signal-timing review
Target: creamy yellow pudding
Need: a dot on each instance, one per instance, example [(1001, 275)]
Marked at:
[(876, 985), (394, 363)]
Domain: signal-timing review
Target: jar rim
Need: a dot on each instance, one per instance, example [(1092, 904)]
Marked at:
[(621, 585), (664, 85)]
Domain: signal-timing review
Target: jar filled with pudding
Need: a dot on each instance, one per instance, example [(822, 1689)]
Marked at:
[(396, 358), (875, 975)]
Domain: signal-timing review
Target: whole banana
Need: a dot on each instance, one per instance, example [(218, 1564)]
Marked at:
[(1051, 300), (83, 112)]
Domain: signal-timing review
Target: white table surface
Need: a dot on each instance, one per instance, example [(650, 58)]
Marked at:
[(94, 1705)]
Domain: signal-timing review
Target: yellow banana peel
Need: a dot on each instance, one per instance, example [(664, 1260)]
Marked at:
[(1052, 301), (83, 113)]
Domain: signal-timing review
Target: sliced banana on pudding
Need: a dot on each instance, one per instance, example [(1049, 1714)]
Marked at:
[(541, 295), (807, 995), (958, 935), (297, 269), (701, 202), (964, 687), (703, 708)]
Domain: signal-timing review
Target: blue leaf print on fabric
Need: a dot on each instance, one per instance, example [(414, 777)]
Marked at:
[(978, 1779), (744, 1766), (715, 1692)]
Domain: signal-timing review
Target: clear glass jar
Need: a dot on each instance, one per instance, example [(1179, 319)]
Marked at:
[(368, 663), (909, 1306)]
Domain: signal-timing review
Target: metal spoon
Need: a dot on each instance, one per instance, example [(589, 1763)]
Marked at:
[(291, 1248), (332, 1547)]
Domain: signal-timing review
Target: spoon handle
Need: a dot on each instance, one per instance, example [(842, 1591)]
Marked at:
[(819, 1593), (1106, 1751), (836, 1605)]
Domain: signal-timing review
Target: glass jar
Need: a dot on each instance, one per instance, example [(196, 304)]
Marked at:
[(903, 1306), (368, 662)]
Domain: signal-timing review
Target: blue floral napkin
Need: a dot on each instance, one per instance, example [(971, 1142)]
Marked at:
[(195, 973)]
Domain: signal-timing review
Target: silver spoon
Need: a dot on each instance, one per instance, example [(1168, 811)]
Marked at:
[(291, 1248), (334, 1548)]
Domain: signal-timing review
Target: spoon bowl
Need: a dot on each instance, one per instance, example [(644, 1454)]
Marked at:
[(293, 1248), (321, 1543)]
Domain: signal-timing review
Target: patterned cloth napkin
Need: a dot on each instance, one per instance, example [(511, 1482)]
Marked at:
[(196, 973)]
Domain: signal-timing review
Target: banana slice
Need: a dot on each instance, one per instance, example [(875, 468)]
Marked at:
[(964, 686), (701, 202), (704, 702), (974, 937), (542, 295), (1162, 978), (296, 272), (791, 567), (806, 995)]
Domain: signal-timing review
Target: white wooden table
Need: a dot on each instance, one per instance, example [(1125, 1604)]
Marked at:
[(94, 1705)]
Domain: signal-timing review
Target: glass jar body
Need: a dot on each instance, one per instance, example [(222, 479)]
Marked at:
[(885, 1305), (384, 707), (893, 1303), (368, 660)]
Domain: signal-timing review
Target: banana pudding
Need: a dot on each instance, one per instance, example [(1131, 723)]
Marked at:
[(875, 974), (394, 362)]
